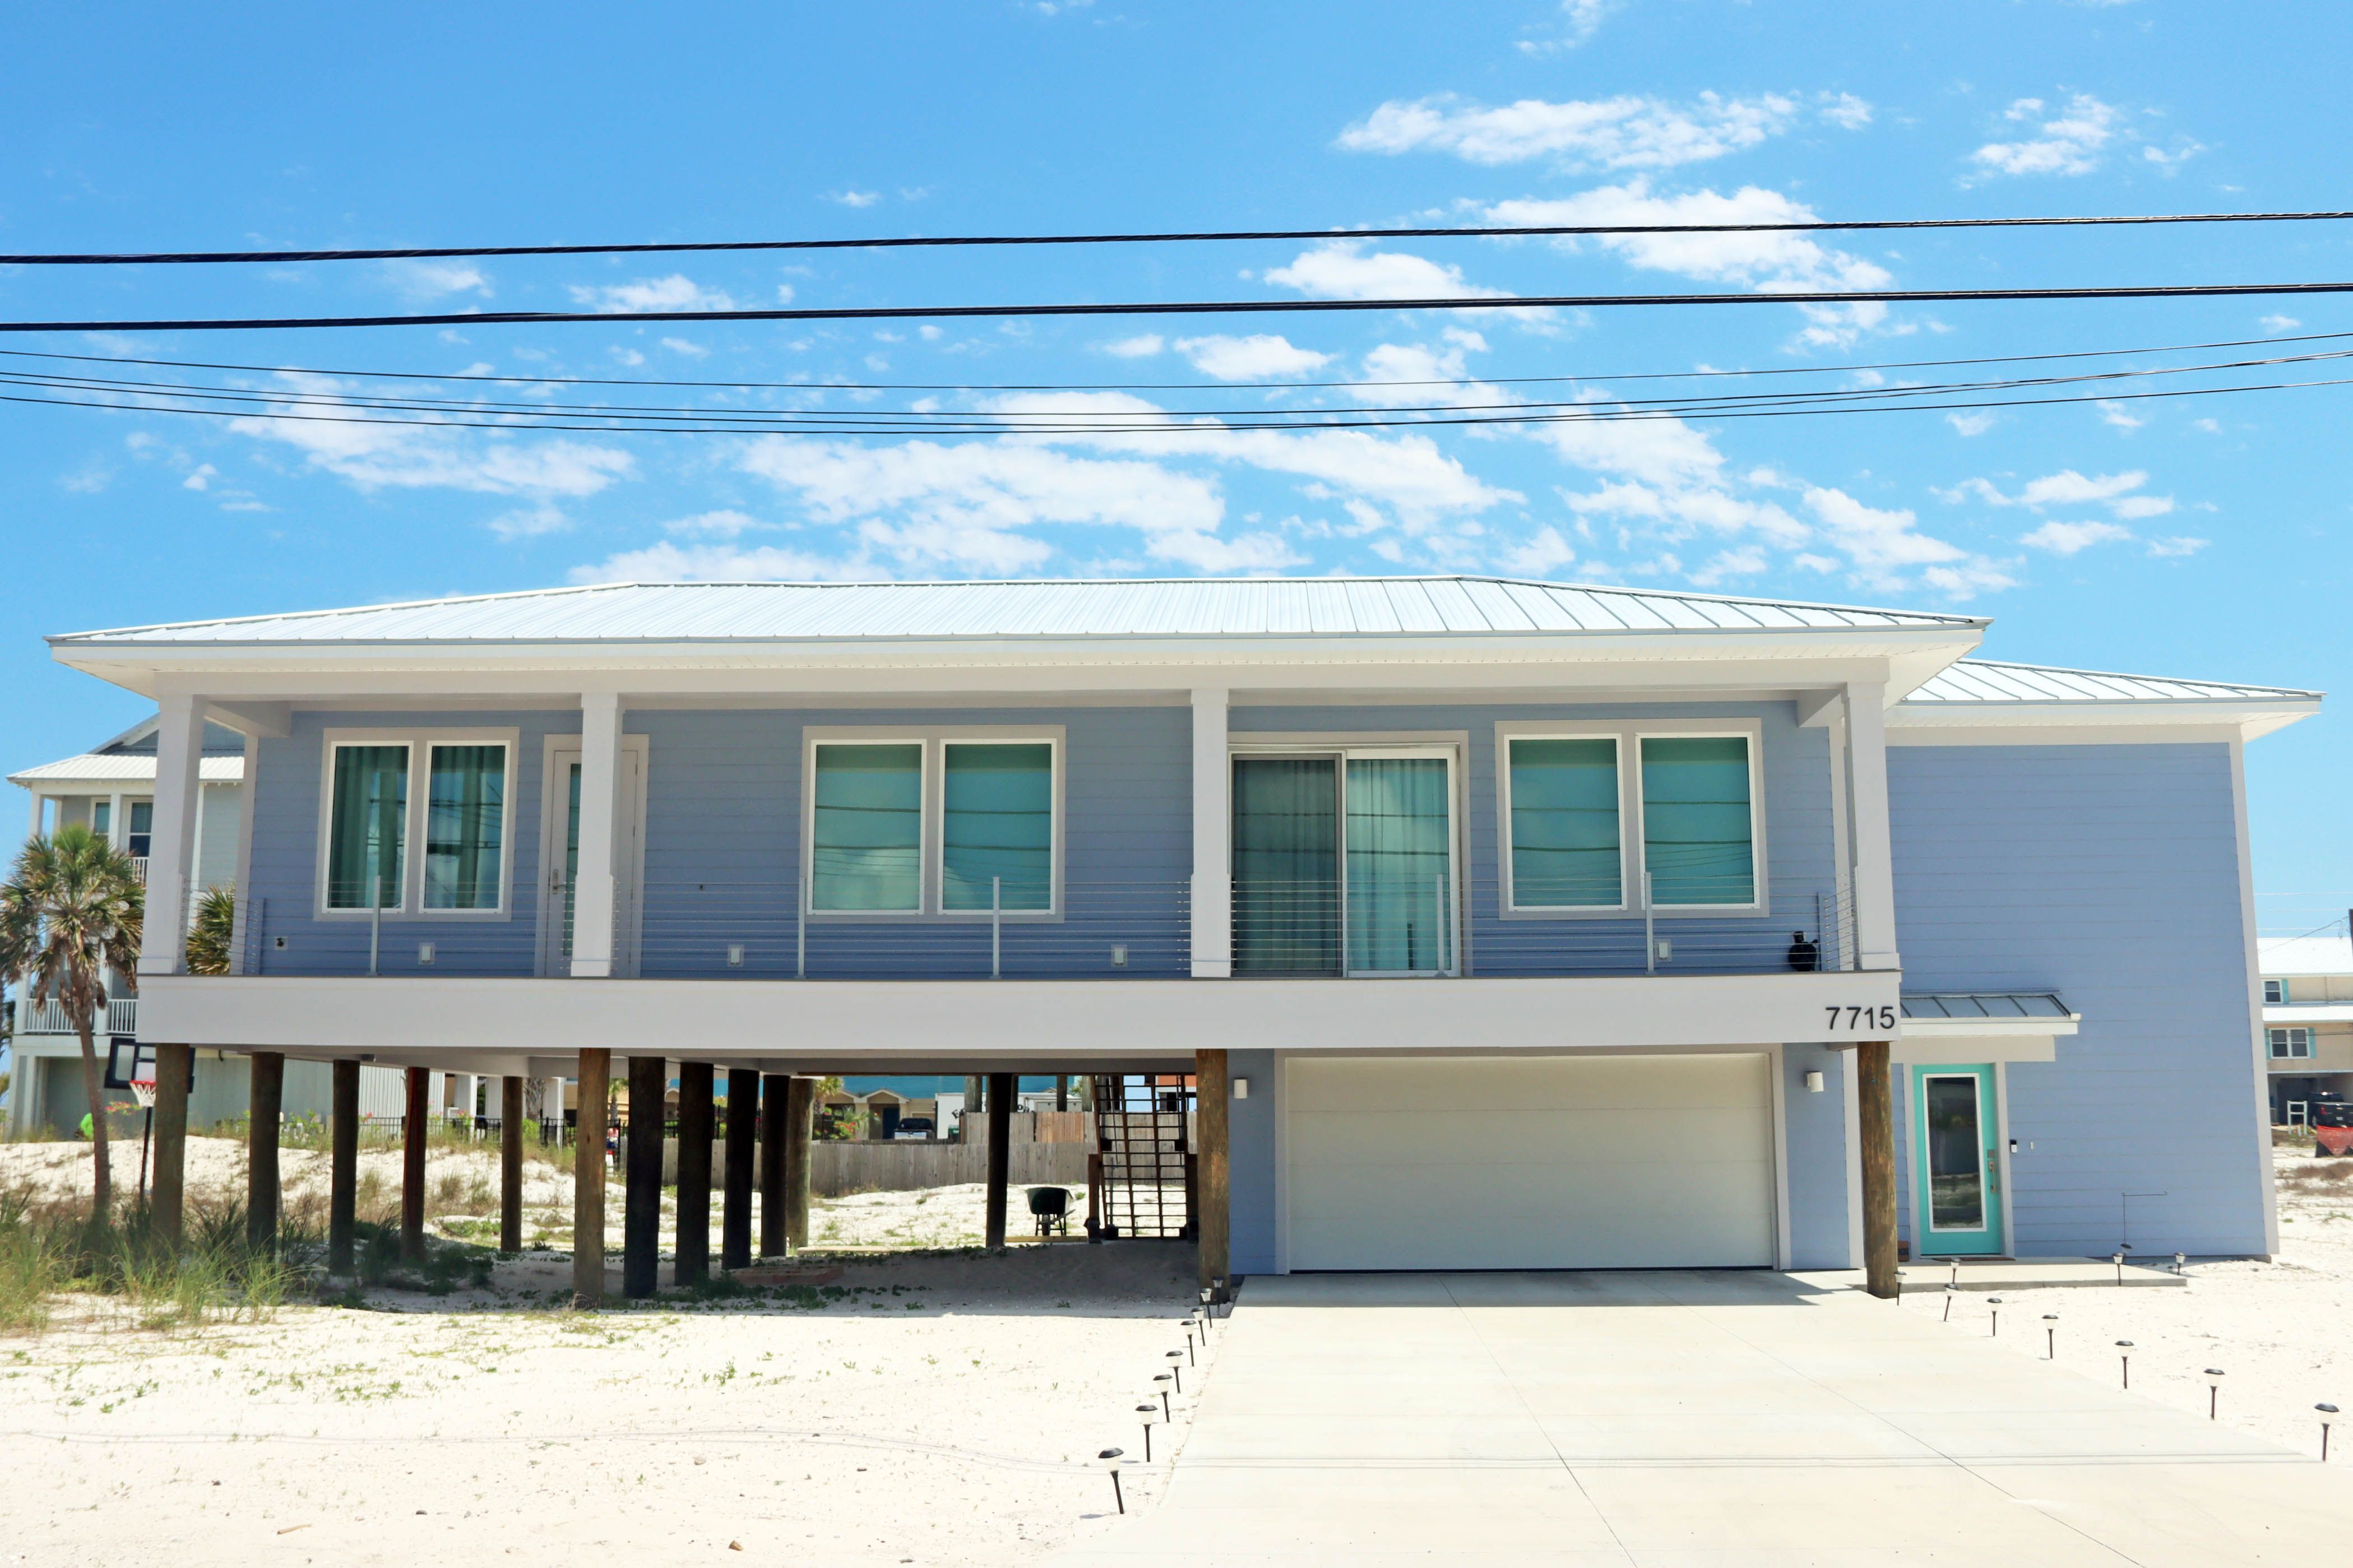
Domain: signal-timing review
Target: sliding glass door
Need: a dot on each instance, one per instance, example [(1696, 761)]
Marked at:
[(1343, 864)]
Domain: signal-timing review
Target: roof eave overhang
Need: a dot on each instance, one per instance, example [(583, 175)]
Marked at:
[(1910, 655), (2249, 718)]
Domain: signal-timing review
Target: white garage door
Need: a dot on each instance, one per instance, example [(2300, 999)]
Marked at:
[(1530, 1162)]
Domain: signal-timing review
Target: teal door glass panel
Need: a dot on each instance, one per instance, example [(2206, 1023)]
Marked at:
[(1955, 1162), (1286, 865), (1400, 867), (571, 852)]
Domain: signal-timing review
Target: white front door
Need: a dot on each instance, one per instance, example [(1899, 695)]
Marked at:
[(559, 853), (1565, 1161)]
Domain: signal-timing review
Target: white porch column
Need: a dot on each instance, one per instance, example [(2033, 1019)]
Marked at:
[(595, 889), (1875, 872), (1213, 912), (172, 845)]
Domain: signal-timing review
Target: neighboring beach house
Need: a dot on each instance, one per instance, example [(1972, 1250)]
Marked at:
[(2307, 1023), (1505, 924)]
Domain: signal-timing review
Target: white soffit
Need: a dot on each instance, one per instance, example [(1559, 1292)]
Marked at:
[(1976, 694)]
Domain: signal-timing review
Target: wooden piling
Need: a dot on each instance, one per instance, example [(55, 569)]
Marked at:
[(694, 1133), (800, 1125), (1001, 1152), (175, 1067), (412, 1167), (343, 1169), (264, 1106), (776, 1219), (642, 1167), (1875, 1119), (1213, 1222), (596, 1084), (735, 1204), (511, 1163)]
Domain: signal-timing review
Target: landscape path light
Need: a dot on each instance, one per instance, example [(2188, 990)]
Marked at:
[(1146, 1411), (1177, 1368), (1167, 1413), (1217, 1288), (1995, 1303), (2326, 1412), (2125, 1346), (2051, 1336), (2120, 1268), (1188, 1343), (2213, 1390), (1110, 1457), (1950, 1291), (1206, 1313)]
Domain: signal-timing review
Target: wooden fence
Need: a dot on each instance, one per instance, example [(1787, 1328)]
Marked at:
[(1049, 1148)]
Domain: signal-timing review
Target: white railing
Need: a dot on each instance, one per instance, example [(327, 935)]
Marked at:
[(50, 1019), (139, 868)]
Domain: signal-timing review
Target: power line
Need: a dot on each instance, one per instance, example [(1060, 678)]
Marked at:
[(1167, 385), (908, 242), (1191, 308)]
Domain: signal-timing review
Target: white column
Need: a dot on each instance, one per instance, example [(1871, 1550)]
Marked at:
[(179, 752), (1213, 913), (1874, 873), (595, 889), (35, 830)]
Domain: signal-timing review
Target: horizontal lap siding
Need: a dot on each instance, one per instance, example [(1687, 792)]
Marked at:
[(1800, 862), (2110, 875), (290, 775)]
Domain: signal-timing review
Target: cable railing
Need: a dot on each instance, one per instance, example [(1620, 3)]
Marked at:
[(1389, 920)]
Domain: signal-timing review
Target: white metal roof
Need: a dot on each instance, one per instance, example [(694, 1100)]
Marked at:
[(1212, 606), (1977, 1006), (117, 767), (1979, 680), (2285, 957)]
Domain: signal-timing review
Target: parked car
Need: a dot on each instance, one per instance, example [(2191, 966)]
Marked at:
[(913, 1127), (2330, 1113)]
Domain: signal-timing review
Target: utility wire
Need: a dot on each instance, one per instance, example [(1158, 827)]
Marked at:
[(1189, 308), (909, 242), (1164, 385)]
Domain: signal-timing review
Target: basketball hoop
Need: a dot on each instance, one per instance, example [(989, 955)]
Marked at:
[(142, 1089)]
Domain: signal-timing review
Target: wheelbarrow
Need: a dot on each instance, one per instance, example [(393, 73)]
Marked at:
[(1050, 1207)]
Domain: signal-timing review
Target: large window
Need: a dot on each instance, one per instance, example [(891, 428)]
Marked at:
[(866, 839), (912, 823), (367, 827), (996, 826), (1593, 811), (2291, 1044), (1567, 849), (1697, 841), (465, 826), (432, 845)]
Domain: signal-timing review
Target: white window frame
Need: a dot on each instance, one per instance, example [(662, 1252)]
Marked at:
[(2282, 1041), (1631, 863), (419, 743), (2274, 992), (935, 740)]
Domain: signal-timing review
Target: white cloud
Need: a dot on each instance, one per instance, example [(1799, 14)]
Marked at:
[(1728, 565), (2278, 323), (2117, 415), (854, 198), (667, 562), (200, 478), (1581, 19), (413, 457), (1142, 346), (435, 280), (2167, 160), (1343, 269), (1769, 263), (2070, 142), (1542, 553), (1255, 358), (675, 293), (686, 346), (2212, 426), (529, 523), (2067, 538), (2180, 545), (2141, 506), (2068, 487), (1970, 423), (1623, 132), (1845, 110), (723, 524)]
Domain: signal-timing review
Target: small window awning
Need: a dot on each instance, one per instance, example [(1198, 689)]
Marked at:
[(1978, 1014)]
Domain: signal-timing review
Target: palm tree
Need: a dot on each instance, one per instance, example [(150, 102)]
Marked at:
[(215, 929), (71, 910)]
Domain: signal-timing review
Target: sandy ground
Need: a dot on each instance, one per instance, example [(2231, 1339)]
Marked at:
[(2279, 1331), (929, 1407)]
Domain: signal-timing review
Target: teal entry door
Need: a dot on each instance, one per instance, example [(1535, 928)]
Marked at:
[(1956, 1163)]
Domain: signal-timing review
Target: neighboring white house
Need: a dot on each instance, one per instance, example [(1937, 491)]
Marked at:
[(2307, 1021)]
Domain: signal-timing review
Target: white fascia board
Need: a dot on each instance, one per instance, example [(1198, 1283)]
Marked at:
[(847, 1023), (1988, 1028), (2086, 723), (1916, 1049), (205, 668), (2302, 1013)]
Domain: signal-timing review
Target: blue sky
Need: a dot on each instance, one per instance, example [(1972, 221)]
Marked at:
[(2197, 538)]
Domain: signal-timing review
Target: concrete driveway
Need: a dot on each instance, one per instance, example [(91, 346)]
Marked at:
[(1692, 1418)]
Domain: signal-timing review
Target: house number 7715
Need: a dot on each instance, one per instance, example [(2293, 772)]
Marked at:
[(1851, 1019)]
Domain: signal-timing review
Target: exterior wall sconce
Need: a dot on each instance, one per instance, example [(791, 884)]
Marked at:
[(1813, 1080), (1119, 955), (425, 955), (734, 955), (1241, 1088)]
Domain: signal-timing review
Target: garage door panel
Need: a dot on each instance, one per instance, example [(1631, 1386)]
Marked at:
[(1530, 1162)]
